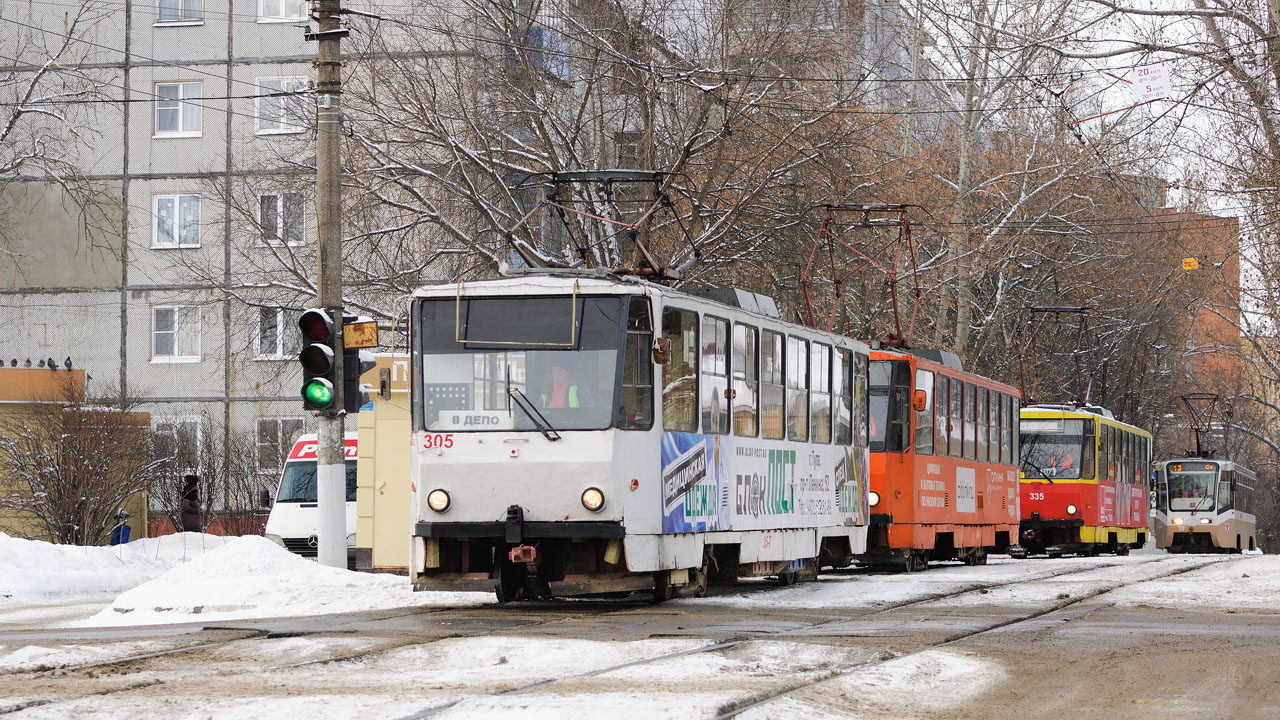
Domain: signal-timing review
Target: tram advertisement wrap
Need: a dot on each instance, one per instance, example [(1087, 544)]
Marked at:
[(719, 482)]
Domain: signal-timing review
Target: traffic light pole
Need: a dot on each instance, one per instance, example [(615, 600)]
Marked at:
[(331, 473)]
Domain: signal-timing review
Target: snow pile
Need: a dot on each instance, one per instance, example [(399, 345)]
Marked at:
[(36, 572), (1248, 583), (252, 577)]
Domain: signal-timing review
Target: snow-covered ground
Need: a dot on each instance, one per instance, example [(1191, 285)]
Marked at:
[(201, 578)]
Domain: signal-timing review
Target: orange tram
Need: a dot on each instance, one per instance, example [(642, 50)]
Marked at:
[(1084, 487), (944, 475)]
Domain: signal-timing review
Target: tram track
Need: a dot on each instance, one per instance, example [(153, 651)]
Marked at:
[(587, 610)]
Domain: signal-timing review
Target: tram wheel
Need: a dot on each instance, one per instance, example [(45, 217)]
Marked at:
[(977, 557), (1122, 549), (663, 590), (791, 577), (511, 581), (697, 586), (917, 562)]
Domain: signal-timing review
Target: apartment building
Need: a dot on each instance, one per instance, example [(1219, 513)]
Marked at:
[(185, 111)]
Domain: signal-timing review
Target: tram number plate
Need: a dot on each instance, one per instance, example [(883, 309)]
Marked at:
[(432, 442), (1037, 496)]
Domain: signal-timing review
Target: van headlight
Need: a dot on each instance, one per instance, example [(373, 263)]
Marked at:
[(592, 499), (873, 497), (1071, 509), (438, 500), (276, 539)]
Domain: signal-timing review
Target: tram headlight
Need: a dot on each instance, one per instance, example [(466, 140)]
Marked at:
[(1177, 521), (1071, 509), (592, 499), (873, 497), (1205, 521), (438, 500)]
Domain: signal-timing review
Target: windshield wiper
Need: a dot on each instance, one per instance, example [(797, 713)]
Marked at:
[(1198, 504), (523, 402)]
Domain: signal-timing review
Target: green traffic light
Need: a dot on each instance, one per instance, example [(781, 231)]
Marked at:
[(317, 393)]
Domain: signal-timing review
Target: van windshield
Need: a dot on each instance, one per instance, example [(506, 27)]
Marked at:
[(299, 482)]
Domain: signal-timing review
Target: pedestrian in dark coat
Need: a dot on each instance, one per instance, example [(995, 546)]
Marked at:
[(191, 504)]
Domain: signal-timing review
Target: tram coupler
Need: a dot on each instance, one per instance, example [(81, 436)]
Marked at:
[(523, 554)]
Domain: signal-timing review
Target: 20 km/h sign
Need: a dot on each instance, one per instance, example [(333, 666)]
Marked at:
[(1150, 82)]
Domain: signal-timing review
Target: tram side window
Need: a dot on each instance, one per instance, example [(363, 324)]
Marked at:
[(771, 386), (924, 415), (1162, 491), (970, 413), (1224, 490), (797, 389), (982, 424), (715, 375), (1006, 422), (746, 380), (993, 422), (957, 418), (1104, 451), (680, 374), (635, 409), (842, 390), (1015, 440), (861, 399), (940, 415), (820, 394)]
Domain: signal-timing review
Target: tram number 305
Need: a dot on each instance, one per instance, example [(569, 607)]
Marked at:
[(432, 442)]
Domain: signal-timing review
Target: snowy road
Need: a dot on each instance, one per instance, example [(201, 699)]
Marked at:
[(1005, 640)]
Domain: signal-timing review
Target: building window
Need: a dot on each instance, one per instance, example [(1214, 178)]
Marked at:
[(175, 334), (281, 10), (282, 218), (278, 108), (278, 334), (177, 221), (177, 112), (179, 11), (175, 442), (275, 437)]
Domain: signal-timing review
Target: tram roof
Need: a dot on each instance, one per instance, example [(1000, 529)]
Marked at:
[(597, 282)]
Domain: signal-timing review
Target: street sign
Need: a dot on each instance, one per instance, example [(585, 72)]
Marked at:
[(1150, 82), (360, 334), (1190, 264)]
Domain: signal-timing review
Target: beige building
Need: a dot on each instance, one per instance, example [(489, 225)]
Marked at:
[(71, 451)]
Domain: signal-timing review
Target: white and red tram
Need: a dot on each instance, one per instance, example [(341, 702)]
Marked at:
[(576, 433)]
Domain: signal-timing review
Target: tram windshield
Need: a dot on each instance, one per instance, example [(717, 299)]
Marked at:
[(527, 363), (1191, 485), (1056, 448)]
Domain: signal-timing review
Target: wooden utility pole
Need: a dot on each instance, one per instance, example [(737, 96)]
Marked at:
[(331, 470)]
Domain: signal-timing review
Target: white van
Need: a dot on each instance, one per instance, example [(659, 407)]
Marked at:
[(295, 518)]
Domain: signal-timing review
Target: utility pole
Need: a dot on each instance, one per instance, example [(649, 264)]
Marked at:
[(331, 469)]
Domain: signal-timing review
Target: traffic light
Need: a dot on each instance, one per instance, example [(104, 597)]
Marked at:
[(355, 362), (319, 369)]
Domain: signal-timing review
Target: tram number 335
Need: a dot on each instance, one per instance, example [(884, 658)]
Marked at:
[(432, 442), (1037, 496)]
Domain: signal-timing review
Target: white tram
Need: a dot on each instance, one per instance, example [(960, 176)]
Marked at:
[(575, 433), (1204, 504)]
